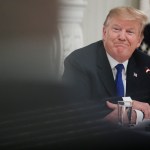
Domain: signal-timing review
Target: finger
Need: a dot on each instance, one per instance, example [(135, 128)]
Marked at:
[(149, 112), (145, 108), (111, 105), (146, 116), (146, 111)]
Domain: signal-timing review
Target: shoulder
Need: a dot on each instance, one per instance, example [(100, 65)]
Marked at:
[(86, 52), (141, 55), (141, 58)]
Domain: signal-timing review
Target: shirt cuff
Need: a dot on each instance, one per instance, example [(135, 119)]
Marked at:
[(139, 115), (127, 99)]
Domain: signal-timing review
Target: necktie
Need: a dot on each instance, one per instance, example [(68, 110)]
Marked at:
[(119, 82)]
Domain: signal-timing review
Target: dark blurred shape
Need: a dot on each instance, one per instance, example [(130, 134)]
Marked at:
[(29, 44), (28, 17), (145, 45), (38, 116), (147, 34), (42, 115)]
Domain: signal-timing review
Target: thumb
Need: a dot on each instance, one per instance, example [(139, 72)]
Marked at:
[(111, 105)]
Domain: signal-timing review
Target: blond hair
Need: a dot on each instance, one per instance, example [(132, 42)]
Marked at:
[(128, 13)]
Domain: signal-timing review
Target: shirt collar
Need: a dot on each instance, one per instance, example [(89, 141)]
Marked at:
[(113, 62)]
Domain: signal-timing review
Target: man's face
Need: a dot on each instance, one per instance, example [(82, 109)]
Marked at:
[(121, 38)]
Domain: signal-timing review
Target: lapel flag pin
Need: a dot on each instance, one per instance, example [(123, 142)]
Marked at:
[(147, 70), (135, 74)]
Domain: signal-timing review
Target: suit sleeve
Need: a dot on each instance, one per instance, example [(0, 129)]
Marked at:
[(76, 75)]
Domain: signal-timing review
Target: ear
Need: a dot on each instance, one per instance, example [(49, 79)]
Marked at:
[(140, 40), (104, 32)]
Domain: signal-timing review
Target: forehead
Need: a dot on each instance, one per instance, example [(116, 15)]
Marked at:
[(125, 23)]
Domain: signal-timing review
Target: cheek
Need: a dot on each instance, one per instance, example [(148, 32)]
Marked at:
[(136, 41), (139, 42), (107, 36)]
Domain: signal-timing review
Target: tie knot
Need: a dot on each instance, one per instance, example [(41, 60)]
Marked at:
[(119, 67)]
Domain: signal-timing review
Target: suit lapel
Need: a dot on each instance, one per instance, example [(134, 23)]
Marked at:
[(104, 71), (134, 76)]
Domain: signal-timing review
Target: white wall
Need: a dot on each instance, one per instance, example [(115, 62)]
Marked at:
[(144, 5), (94, 16)]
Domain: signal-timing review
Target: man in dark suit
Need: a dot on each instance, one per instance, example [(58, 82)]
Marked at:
[(92, 69)]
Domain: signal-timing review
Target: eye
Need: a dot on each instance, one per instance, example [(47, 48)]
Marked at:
[(115, 29), (130, 32)]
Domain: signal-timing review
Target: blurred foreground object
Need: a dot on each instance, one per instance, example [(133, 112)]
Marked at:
[(28, 32)]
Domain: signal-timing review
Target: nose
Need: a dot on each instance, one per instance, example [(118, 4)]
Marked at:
[(122, 35)]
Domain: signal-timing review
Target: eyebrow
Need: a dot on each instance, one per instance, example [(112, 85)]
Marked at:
[(115, 25)]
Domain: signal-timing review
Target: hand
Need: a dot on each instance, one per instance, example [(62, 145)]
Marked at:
[(113, 116), (144, 107)]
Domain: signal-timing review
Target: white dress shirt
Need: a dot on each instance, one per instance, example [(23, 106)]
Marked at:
[(113, 63)]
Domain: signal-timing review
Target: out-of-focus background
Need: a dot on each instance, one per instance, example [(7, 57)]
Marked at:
[(95, 12), (84, 20), (27, 29), (88, 16)]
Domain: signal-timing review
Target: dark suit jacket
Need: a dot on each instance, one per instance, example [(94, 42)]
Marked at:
[(89, 71)]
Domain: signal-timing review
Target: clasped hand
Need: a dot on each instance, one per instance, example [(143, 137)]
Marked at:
[(143, 107)]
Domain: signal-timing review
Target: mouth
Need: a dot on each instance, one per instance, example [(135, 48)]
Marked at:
[(121, 45)]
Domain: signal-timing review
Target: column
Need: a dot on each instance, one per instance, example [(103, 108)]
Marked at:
[(70, 31)]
